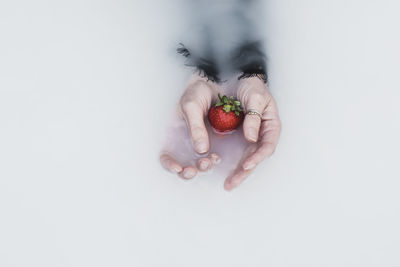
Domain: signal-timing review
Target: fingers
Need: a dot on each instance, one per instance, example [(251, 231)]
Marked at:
[(205, 164), (170, 164), (236, 179), (195, 103), (251, 125), (270, 131), (253, 94), (239, 174), (215, 158), (194, 118), (249, 163), (189, 172), (264, 151)]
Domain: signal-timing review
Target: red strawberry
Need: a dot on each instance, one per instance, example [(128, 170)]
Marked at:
[(226, 115)]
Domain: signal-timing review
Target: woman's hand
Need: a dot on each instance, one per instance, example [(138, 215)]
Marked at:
[(185, 157), (262, 132), (188, 141)]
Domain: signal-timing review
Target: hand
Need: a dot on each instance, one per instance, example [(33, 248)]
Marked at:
[(263, 134), (183, 157)]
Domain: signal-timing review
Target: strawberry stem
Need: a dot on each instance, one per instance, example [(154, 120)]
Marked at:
[(229, 104)]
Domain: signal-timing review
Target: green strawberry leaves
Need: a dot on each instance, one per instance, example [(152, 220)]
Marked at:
[(227, 108), (229, 104)]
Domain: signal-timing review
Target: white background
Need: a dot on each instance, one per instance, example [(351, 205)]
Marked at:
[(85, 88)]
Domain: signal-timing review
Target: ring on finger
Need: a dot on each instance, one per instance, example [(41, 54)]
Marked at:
[(254, 112)]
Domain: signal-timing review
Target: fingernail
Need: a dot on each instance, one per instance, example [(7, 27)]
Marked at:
[(215, 158), (249, 166), (187, 174), (201, 146), (252, 134), (231, 185), (228, 186), (217, 161), (203, 165), (177, 169)]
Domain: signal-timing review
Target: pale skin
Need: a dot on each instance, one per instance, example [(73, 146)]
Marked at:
[(262, 135)]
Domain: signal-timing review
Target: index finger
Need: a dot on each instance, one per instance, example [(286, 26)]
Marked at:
[(170, 163)]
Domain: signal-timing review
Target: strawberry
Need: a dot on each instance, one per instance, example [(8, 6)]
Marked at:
[(226, 115)]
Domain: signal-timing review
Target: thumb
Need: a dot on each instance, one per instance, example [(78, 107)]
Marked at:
[(194, 118)]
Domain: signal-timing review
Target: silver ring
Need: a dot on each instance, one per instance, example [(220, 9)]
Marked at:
[(254, 112)]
